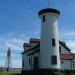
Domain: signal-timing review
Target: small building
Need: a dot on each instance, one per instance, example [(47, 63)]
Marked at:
[(31, 56)]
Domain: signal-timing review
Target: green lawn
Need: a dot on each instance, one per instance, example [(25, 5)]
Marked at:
[(70, 74), (8, 73), (4, 73)]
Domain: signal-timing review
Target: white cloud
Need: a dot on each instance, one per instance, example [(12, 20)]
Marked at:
[(15, 42), (12, 41), (2, 54), (2, 63), (37, 32), (71, 45), (12, 55), (62, 34), (68, 37), (17, 62)]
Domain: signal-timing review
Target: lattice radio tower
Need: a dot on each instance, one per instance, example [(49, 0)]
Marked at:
[(8, 63)]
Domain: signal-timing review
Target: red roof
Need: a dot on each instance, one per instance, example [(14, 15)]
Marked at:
[(66, 56), (34, 40)]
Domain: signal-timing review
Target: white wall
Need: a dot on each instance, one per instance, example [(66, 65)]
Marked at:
[(66, 64), (49, 30), (26, 62), (73, 65)]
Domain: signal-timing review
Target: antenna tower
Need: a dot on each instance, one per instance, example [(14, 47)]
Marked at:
[(8, 64)]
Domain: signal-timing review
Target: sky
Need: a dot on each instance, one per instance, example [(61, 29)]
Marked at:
[(19, 21)]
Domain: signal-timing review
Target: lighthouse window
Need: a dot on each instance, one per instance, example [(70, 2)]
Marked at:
[(73, 65), (53, 60), (60, 49), (62, 62), (29, 61), (23, 63), (43, 18), (53, 42)]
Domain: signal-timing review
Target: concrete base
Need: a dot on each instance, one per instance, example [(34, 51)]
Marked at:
[(41, 72)]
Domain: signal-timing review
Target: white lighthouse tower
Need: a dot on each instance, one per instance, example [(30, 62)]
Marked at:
[(49, 43)]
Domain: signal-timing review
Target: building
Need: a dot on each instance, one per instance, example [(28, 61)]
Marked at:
[(47, 55), (32, 52)]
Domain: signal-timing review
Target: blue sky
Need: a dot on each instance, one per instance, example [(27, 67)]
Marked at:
[(19, 21)]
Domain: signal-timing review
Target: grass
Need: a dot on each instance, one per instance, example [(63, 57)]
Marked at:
[(10, 73), (69, 74), (4, 73)]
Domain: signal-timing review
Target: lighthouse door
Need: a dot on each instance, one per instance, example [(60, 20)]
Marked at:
[(35, 64)]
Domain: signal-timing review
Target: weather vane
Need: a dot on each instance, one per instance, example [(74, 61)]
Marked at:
[(48, 3)]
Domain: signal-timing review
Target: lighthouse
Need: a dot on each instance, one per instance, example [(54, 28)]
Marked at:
[(49, 43)]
